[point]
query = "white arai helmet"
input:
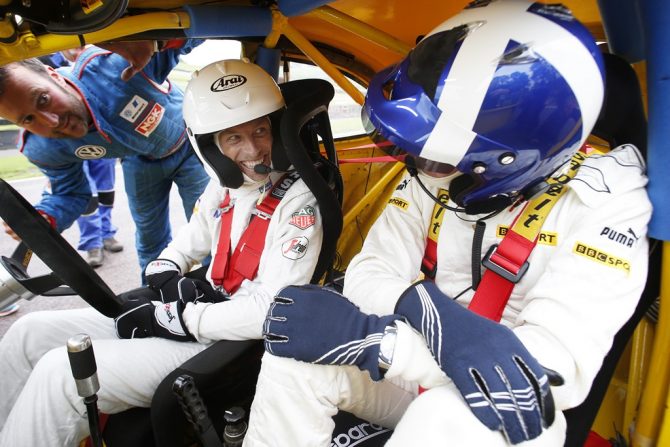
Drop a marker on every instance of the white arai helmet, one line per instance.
(222, 95)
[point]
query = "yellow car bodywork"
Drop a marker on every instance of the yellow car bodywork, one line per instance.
(357, 38)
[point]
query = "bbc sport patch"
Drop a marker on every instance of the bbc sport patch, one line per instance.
(544, 238)
(295, 248)
(399, 203)
(304, 218)
(601, 257)
(90, 152)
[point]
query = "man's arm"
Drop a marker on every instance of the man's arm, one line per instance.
(587, 292)
(289, 257)
(193, 242)
(155, 58)
(67, 195)
(390, 259)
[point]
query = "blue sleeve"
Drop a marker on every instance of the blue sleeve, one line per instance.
(162, 63)
(68, 196)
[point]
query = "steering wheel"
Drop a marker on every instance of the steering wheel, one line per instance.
(67, 265)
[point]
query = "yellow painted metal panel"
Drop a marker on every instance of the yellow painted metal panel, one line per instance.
(652, 407)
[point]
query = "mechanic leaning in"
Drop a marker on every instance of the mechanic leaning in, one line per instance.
(88, 111)
(489, 106)
(231, 132)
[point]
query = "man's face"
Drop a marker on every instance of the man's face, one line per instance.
(44, 105)
(247, 145)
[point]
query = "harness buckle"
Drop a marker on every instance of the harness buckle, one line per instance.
(225, 207)
(261, 214)
(510, 276)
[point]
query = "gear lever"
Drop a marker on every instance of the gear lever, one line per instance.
(85, 372)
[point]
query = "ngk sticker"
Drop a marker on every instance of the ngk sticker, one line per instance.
(151, 122)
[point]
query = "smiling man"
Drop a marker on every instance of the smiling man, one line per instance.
(103, 108)
(248, 145)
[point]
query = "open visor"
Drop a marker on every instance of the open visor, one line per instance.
(395, 151)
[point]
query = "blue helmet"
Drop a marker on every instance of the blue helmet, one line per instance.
(505, 91)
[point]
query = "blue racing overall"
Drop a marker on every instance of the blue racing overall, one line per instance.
(139, 121)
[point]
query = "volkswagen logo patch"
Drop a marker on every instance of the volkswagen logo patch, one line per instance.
(90, 152)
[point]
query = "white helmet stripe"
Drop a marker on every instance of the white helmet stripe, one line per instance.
(552, 47)
(479, 54)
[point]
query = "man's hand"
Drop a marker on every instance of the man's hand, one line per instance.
(141, 318)
(164, 277)
(504, 385)
(11, 233)
(138, 53)
(321, 326)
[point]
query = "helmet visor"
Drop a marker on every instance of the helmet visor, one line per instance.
(430, 167)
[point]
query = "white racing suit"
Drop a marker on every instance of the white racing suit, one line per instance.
(40, 405)
(584, 280)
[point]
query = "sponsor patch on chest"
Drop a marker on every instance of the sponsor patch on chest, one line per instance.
(151, 121)
(544, 238)
(133, 109)
(599, 256)
(627, 239)
(399, 203)
(90, 152)
(304, 218)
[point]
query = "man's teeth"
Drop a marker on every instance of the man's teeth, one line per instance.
(251, 164)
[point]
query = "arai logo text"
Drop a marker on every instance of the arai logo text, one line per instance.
(227, 82)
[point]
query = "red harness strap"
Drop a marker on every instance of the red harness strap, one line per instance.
(220, 261)
(505, 265)
(507, 262)
(229, 270)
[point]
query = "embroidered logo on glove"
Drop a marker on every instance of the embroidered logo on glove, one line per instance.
(167, 317)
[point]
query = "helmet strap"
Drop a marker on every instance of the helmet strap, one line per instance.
(410, 163)
(226, 169)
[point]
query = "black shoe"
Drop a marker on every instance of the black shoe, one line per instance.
(95, 257)
(112, 245)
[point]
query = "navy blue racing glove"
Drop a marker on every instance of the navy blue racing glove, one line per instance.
(164, 277)
(504, 385)
(321, 326)
(141, 318)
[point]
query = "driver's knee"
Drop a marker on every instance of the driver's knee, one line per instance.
(26, 333)
(52, 384)
(441, 415)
